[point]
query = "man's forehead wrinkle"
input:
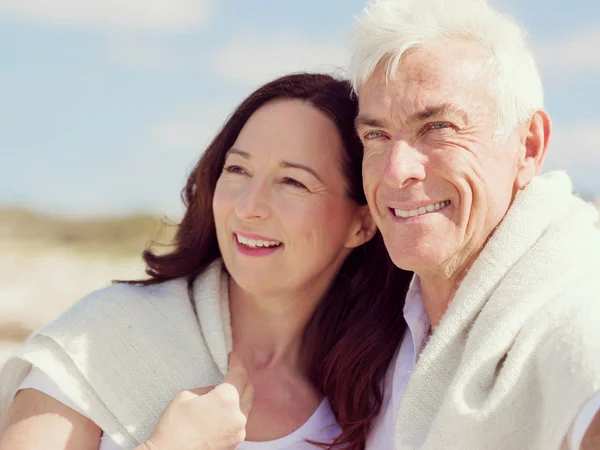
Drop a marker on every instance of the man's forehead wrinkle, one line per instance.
(427, 78)
(436, 63)
(423, 70)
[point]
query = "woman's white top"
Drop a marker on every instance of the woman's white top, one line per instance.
(122, 353)
(320, 427)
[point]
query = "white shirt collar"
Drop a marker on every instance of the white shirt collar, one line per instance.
(416, 316)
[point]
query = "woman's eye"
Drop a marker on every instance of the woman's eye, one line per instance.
(373, 135)
(293, 183)
(235, 169)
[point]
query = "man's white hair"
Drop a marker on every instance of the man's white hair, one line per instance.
(388, 28)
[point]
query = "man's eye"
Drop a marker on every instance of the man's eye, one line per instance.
(373, 135)
(439, 125)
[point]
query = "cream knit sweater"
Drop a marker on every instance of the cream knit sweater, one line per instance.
(122, 353)
(518, 352)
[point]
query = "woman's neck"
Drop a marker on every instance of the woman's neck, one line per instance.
(268, 331)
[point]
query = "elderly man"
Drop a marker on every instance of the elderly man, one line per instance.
(502, 349)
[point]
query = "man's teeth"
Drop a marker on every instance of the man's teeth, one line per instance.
(422, 210)
(256, 243)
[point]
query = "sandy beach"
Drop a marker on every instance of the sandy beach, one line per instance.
(38, 282)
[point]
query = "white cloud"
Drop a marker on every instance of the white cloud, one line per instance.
(566, 56)
(166, 155)
(576, 149)
(252, 59)
(181, 133)
(577, 144)
(190, 128)
(509, 6)
(570, 56)
(142, 14)
(135, 52)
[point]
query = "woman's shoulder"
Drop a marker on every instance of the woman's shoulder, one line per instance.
(133, 314)
(120, 342)
(151, 327)
(174, 291)
(122, 292)
(124, 308)
(122, 298)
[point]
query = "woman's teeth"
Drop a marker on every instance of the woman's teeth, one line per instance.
(254, 243)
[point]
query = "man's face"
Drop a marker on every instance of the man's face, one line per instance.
(436, 182)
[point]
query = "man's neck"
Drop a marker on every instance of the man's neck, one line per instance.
(438, 289)
(437, 297)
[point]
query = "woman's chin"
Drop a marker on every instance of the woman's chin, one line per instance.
(255, 283)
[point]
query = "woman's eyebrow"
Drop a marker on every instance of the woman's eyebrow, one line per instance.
(291, 165)
(282, 164)
(235, 151)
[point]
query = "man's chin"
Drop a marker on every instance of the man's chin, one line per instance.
(412, 263)
(416, 259)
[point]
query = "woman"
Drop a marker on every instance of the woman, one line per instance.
(276, 258)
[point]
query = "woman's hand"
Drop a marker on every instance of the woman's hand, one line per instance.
(207, 418)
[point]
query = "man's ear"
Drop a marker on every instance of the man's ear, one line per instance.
(535, 143)
(363, 229)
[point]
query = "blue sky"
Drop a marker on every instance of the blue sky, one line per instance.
(106, 105)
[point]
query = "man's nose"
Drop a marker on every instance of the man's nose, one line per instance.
(405, 166)
(254, 202)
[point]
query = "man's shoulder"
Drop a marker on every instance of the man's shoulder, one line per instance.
(571, 339)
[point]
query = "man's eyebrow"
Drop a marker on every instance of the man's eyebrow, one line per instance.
(431, 112)
(445, 109)
(282, 164)
(366, 121)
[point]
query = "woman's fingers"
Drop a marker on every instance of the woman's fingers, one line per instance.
(202, 390)
(212, 416)
(247, 398)
(236, 385)
(237, 376)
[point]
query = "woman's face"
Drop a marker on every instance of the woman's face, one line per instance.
(283, 218)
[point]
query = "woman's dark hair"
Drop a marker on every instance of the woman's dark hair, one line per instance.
(357, 327)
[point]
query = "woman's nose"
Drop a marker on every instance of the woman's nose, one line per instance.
(253, 203)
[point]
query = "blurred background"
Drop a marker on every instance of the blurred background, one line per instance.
(106, 105)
